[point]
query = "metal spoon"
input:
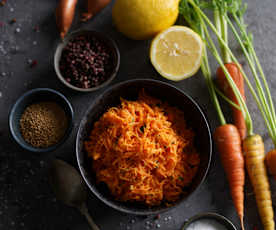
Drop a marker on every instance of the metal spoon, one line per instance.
(70, 188)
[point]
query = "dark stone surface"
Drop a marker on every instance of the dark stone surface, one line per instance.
(26, 201)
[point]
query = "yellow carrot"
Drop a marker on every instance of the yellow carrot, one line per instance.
(253, 147)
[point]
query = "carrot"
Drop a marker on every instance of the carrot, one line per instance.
(270, 160)
(64, 15)
(228, 142)
(232, 68)
(94, 7)
(226, 136)
(231, 148)
(237, 77)
(253, 147)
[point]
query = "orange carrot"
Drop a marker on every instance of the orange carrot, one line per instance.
(236, 75)
(228, 142)
(270, 160)
(94, 7)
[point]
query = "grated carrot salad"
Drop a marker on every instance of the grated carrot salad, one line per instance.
(143, 151)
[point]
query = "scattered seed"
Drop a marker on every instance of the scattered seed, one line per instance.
(36, 29)
(13, 21)
(18, 30)
(11, 9)
(158, 226)
(132, 221)
(33, 63)
(34, 43)
(42, 163)
(14, 49)
(1, 94)
(157, 217)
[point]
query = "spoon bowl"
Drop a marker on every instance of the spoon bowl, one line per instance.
(67, 184)
(69, 188)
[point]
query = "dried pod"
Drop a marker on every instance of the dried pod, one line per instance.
(64, 15)
(94, 7)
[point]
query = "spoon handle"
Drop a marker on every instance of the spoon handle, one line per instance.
(90, 221)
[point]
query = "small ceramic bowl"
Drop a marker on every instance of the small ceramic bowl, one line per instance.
(108, 41)
(35, 96)
(212, 216)
(129, 90)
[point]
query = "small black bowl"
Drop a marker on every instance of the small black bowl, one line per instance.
(213, 216)
(129, 90)
(111, 44)
(36, 96)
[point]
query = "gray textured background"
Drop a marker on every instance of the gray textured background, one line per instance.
(26, 201)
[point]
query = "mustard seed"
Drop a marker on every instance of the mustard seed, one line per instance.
(43, 124)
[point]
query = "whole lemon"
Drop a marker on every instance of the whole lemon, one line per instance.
(142, 19)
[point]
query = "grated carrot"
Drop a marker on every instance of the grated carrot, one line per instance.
(143, 150)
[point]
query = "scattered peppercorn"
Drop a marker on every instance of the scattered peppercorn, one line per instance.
(43, 124)
(33, 63)
(86, 62)
(157, 217)
(36, 28)
(13, 21)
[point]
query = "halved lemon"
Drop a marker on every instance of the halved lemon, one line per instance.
(176, 53)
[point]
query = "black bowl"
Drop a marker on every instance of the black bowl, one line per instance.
(129, 90)
(35, 96)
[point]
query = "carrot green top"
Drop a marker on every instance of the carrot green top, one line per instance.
(192, 11)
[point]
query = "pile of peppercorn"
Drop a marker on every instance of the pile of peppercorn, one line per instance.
(86, 62)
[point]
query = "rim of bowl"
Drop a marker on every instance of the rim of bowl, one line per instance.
(209, 215)
(127, 210)
(28, 146)
(110, 42)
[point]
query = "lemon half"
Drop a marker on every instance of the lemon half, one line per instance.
(176, 53)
